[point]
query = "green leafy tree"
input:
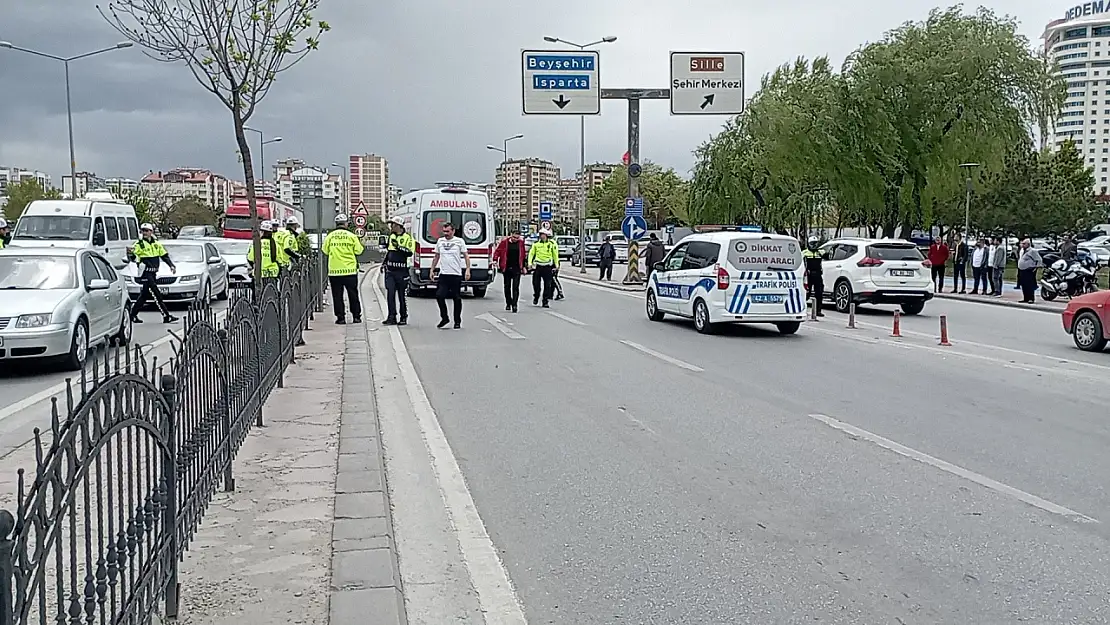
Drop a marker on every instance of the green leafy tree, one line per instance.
(663, 190)
(22, 193)
(235, 49)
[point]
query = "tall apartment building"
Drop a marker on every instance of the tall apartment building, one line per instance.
(393, 198)
(570, 197)
(287, 166)
(309, 182)
(122, 187)
(522, 184)
(368, 184)
(595, 175)
(177, 184)
(86, 181)
(15, 175)
(239, 188)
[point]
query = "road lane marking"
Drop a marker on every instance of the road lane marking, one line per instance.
(665, 358)
(958, 471)
(565, 318)
(640, 424)
(33, 400)
(494, 589)
(500, 325)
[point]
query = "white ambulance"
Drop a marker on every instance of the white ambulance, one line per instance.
(425, 212)
(731, 275)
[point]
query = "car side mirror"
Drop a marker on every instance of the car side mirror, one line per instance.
(659, 266)
(98, 285)
(98, 239)
(214, 260)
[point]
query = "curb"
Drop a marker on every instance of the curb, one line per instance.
(605, 285)
(1000, 302)
(365, 573)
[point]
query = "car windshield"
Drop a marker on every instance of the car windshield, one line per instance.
(889, 251)
(232, 247)
(53, 228)
(185, 253)
(37, 272)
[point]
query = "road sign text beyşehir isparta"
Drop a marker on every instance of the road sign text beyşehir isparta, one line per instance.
(560, 81)
(565, 63)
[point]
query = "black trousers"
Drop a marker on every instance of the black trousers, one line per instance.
(544, 274)
(979, 275)
(149, 291)
(558, 285)
(938, 278)
(348, 284)
(511, 278)
(449, 287)
(959, 274)
(606, 267)
(1027, 280)
(815, 291)
(396, 293)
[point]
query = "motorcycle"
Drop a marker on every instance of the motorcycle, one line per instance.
(1070, 279)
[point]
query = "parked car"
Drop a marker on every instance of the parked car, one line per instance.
(876, 271)
(592, 258)
(567, 244)
(1100, 253)
(234, 252)
(1087, 319)
(58, 302)
(198, 232)
(201, 273)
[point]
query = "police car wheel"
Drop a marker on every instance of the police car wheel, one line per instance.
(701, 318)
(788, 327)
(652, 306)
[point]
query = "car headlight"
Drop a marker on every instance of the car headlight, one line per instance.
(33, 321)
(188, 278)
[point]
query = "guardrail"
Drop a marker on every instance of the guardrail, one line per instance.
(133, 455)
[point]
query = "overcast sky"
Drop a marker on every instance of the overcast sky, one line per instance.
(426, 83)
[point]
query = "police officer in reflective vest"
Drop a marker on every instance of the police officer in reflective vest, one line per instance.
(815, 282)
(342, 247)
(149, 254)
(5, 233)
(270, 251)
(398, 255)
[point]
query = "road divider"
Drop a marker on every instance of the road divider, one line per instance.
(852, 316)
(944, 331)
(896, 332)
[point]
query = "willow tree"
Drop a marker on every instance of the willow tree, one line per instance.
(234, 48)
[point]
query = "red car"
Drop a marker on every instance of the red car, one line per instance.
(1087, 320)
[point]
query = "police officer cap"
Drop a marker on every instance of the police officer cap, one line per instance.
(292, 220)
(3, 223)
(340, 218)
(398, 221)
(545, 231)
(814, 240)
(266, 226)
(147, 228)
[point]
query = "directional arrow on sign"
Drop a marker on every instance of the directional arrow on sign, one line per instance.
(708, 100)
(562, 102)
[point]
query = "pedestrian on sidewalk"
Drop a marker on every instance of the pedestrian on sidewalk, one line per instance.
(938, 256)
(511, 258)
(653, 253)
(450, 266)
(398, 254)
(959, 267)
(979, 260)
(1028, 262)
(543, 258)
(606, 255)
(342, 247)
(149, 254)
(998, 266)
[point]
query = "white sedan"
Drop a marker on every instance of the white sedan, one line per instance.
(201, 274)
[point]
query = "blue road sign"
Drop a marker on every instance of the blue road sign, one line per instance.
(525, 227)
(670, 228)
(634, 227)
(545, 211)
(634, 206)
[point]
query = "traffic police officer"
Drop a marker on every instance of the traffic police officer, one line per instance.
(543, 257)
(149, 253)
(298, 239)
(5, 233)
(270, 251)
(398, 255)
(342, 247)
(815, 282)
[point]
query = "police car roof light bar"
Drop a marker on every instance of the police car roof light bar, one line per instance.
(724, 228)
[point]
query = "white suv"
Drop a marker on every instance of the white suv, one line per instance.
(876, 271)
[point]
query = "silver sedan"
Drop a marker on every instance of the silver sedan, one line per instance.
(201, 273)
(58, 303)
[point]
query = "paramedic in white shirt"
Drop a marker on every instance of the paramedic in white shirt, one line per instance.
(452, 262)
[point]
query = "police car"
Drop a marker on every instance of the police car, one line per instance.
(730, 275)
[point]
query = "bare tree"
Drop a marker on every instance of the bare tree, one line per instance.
(234, 48)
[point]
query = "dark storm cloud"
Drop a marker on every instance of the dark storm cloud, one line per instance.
(426, 83)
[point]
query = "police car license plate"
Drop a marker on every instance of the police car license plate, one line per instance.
(766, 299)
(904, 273)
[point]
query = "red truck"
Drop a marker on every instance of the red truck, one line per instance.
(237, 219)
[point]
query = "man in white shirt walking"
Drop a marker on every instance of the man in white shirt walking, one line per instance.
(452, 264)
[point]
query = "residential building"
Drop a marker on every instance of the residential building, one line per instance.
(287, 166)
(309, 182)
(15, 175)
(596, 174)
(521, 185)
(570, 197)
(176, 184)
(267, 188)
(86, 181)
(368, 184)
(122, 187)
(393, 198)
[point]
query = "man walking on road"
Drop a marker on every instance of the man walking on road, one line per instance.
(998, 266)
(938, 256)
(342, 248)
(959, 267)
(1028, 261)
(606, 255)
(149, 253)
(510, 258)
(450, 266)
(543, 258)
(398, 254)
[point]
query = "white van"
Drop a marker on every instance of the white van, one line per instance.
(730, 276)
(425, 212)
(106, 225)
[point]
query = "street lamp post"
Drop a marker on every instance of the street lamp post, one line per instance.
(967, 167)
(504, 150)
(69, 105)
(581, 152)
(262, 152)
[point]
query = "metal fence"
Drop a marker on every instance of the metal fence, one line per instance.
(133, 455)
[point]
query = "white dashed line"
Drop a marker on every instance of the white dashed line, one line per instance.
(500, 325)
(565, 318)
(665, 358)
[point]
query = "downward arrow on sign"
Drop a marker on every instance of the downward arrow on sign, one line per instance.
(562, 102)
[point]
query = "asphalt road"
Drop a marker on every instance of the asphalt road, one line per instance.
(22, 382)
(638, 472)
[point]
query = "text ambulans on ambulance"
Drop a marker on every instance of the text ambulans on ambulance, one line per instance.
(730, 277)
(424, 214)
